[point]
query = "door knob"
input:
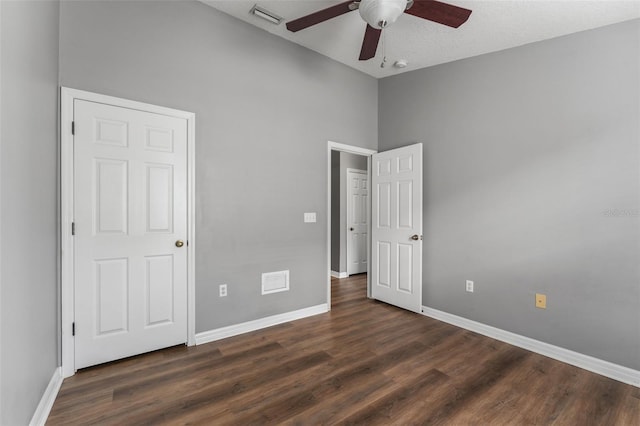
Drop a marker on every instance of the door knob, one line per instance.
(350, 229)
(416, 237)
(179, 243)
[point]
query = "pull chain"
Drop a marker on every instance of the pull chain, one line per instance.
(384, 49)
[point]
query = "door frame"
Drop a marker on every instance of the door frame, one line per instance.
(336, 146)
(67, 308)
(350, 206)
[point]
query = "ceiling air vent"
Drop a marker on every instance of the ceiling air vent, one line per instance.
(263, 13)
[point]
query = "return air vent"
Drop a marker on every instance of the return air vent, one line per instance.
(274, 282)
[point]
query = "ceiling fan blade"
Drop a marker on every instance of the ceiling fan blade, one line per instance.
(442, 13)
(370, 43)
(321, 16)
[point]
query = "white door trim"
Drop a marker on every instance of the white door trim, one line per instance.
(336, 146)
(349, 208)
(67, 98)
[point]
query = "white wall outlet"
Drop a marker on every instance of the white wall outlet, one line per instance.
(470, 286)
(310, 217)
(223, 290)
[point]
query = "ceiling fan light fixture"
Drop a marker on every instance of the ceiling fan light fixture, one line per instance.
(381, 13)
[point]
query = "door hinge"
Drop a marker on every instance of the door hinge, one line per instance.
(73, 127)
(73, 328)
(73, 228)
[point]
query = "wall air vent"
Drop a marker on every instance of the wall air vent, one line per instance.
(274, 282)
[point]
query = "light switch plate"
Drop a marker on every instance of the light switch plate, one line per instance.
(310, 217)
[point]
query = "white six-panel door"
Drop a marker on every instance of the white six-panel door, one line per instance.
(357, 226)
(130, 176)
(396, 231)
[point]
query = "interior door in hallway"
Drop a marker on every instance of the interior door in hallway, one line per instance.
(396, 231)
(130, 214)
(357, 225)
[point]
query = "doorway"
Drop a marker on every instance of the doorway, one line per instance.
(394, 215)
(342, 157)
(127, 228)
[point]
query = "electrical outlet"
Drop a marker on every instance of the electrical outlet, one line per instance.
(470, 286)
(541, 301)
(223, 290)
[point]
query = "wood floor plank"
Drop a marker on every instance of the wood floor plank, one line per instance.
(238, 361)
(393, 406)
(597, 402)
(346, 402)
(257, 400)
(364, 362)
(628, 411)
(456, 397)
(321, 388)
(171, 409)
(511, 402)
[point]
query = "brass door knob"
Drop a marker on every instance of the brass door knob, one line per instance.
(179, 243)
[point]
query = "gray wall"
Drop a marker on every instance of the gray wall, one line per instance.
(28, 200)
(265, 110)
(528, 154)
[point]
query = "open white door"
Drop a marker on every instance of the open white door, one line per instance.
(396, 229)
(357, 226)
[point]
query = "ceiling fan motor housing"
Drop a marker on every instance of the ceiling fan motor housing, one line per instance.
(381, 13)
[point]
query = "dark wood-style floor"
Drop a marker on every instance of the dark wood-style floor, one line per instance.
(365, 362)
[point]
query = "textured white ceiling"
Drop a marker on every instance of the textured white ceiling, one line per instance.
(494, 25)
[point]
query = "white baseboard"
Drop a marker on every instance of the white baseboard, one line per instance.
(48, 398)
(245, 327)
(335, 274)
(595, 365)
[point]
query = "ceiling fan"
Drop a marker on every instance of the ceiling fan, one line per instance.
(379, 14)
